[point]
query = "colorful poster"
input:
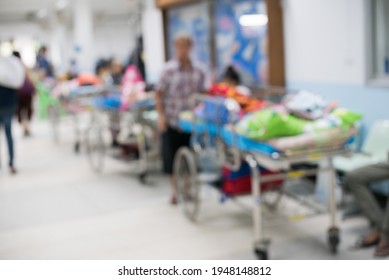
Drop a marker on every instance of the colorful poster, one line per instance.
(241, 39)
(192, 20)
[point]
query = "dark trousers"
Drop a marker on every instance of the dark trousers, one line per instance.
(172, 141)
(6, 124)
(25, 108)
(358, 182)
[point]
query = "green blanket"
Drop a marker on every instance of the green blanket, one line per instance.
(270, 123)
(45, 100)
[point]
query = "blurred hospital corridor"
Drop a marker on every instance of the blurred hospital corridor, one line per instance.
(194, 130)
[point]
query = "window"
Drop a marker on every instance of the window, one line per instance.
(380, 41)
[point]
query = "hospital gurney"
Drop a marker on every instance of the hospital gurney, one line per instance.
(232, 150)
(75, 107)
(136, 127)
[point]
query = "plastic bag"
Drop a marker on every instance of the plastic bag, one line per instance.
(219, 111)
(12, 72)
(307, 105)
(111, 102)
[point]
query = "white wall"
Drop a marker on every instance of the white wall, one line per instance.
(24, 35)
(326, 52)
(324, 41)
(110, 40)
(114, 40)
(153, 41)
(22, 29)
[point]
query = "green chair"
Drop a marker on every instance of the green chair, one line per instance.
(45, 100)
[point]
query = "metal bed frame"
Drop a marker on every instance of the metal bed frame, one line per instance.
(72, 106)
(188, 179)
(143, 134)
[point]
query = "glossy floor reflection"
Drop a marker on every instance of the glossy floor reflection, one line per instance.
(57, 208)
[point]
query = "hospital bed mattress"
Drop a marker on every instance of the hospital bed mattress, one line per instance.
(330, 139)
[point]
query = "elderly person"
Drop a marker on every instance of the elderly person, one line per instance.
(181, 78)
(359, 182)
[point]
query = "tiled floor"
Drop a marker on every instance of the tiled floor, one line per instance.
(57, 208)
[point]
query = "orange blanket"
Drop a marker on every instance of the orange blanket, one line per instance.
(247, 103)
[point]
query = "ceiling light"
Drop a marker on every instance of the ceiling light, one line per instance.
(253, 20)
(42, 13)
(62, 4)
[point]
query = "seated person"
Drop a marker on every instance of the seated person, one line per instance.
(232, 78)
(230, 87)
(117, 71)
(103, 72)
(358, 182)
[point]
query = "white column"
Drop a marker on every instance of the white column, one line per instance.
(83, 34)
(154, 48)
(387, 35)
(57, 44)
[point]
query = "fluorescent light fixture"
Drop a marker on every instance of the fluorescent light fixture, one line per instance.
(253, 20)
(42, 13)
(62, 4)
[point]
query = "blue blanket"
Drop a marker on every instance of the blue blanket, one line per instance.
(243, 143)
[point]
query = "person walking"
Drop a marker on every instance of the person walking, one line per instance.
(181, 78)
(25, 97)
(12, 75)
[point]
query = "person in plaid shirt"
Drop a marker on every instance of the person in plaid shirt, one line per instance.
(180, 79)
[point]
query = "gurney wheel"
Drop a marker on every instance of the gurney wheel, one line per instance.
(142, 177)
(333, 239)
(187, 184)
(262, 254)
(95, 145)
(77, 146)
(142, 152)
(54, 118)
(272, 197)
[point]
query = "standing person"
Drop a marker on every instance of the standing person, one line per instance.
(137, 57)
(12, 75)
(358, 181)
(43, 63)
(25, 97)
(180, 79)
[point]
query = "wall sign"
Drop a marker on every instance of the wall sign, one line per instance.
(241, 38)
(191, 20)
